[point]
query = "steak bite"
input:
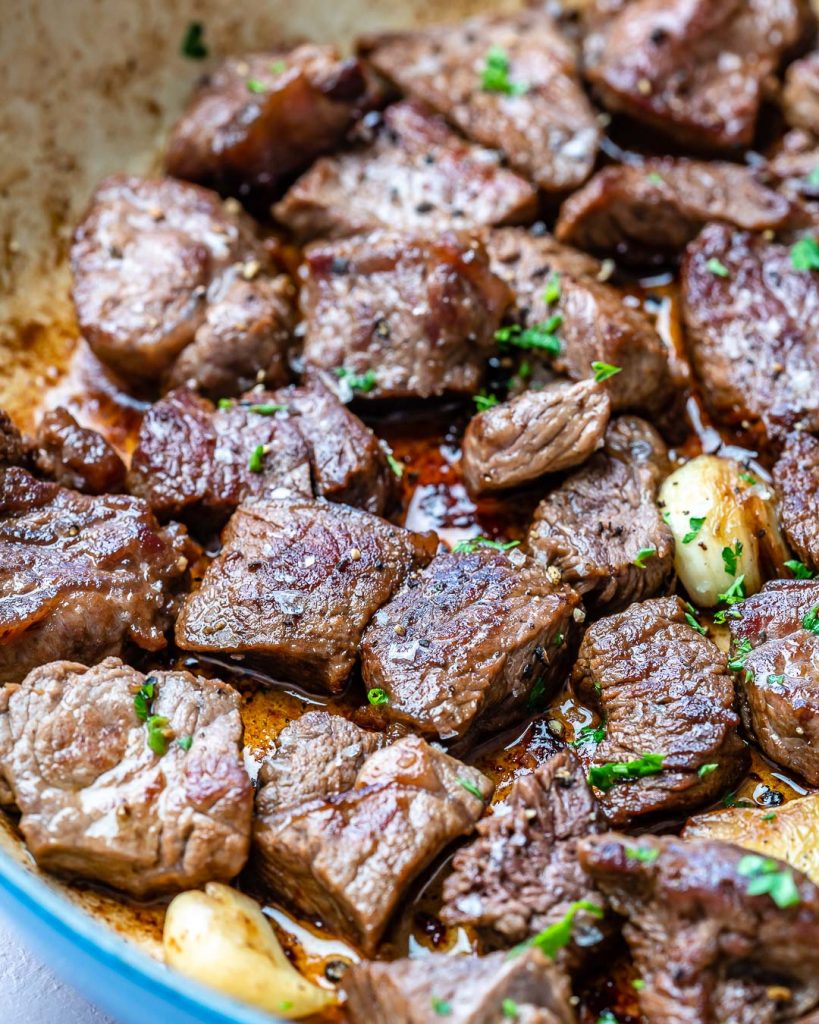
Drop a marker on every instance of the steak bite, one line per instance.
(776, 655)
(75, 456)
(81, 577)
(534, 433)
(796, 476)
(593, 323)
(408, 172)
(602, 529)
(521, 874)
(133, 781)
(490, 989)
(295, 584)
(197, 462)
(752, 323)
(717, 934)
(695, 70)
(666, 701)
(14, 448)
(159, 265)
(401, 316)
(800, 96)
(634, 211)
(507, 81)
(344, 822)
(259, 118)
(469, 644)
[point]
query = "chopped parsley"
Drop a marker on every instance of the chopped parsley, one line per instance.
(767, 877)
(589, 734)
(157, 737)
(730, 800)
(143, 698)
(193, 44)
(396, 466)
(643, 556)
(692, 620)
(441, 1007)
(254, 85)
(226, 403)
(706, 769)
(811, 620)
(470, 787)
(604, 776)
(495, 74)
(734, 594)
(377, 696)
(695, 524)
(645, 854)
(638, 984)
(655, 178)
(540, 337)
(357, 381)
(799, 569)
(256, 461)
(717, 267)
(509, 1008)
(607, 1017)
(805, 254)
(749, 478)
(602, 371)
(770, 816)
(741, 652)
(470, 546)
(730, 557)
(775, 680)
(278, 67)
(185, 742)
(483, 401)
(266, 408)
(559, 934)
(552, 291)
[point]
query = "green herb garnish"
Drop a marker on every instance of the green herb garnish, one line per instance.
(604, 776)
(441, 1007)
(193, 44)
(509, 1009)
(470, 546)
(692, 620)
(396, 466)
(643, 556)
(770, 816)
(655, 178)
(749, 478)
(357, 381)
(811, 620)
(185, 742)
(638, 984)
(695, 524)
(157, 740)
(256, 461)
(495, 74)
(483, 401)
(589, 734)
(540, 337)
(226, 403)
(799, 569)
(559, 934)
(741, 652)
(278, 67)
(805, 254)
(470, 787)
(552, 292)
(254, 85)
(645, 854)
(377, 696)
(706, 769)
(143, 698)
(730, 557)
(775, 680)
(602, 371)
(768, 877)
(717, 267)
(266, 408)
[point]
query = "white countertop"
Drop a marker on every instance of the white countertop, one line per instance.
(31, 994)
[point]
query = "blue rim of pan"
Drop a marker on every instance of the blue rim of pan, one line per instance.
(79, 929)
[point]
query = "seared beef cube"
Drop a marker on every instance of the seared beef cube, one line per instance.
(80, 577)
(400, 316)
(636, 211)
(776, 655)
(800, 97)
(594, 324)
(692, 69)
(193, 461)
(602, 529)
(752, 323)
(159, 265)
(14, 449)
(348, 463)
(666, 700)
(709, 941)
(493, 989)
(793, 162)
(469, 644)
(295, 584)
(796, 475)
(76, 456)
(409, 172)
(508, 82)
(534, 433)
(261, 117)
(131, 780)
(343, 828)
(243, 339)
(521, 874)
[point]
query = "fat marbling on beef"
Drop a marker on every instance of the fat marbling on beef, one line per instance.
(81, 576)
(409, 172)
(796, 475)
(401, 316)
(469, 644)
(506, 81)
(345, 820)
(259, 118)
(776, 654)
(494, 989)
(295, 584)
(521, 874)
(696, 70)
(666, 705)
(710, 940)
(636, 211)
(752, 326)
(601, 529)
(534, 433)
(132, 780)
(160, 265)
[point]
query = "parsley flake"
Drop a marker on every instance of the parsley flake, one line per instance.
(706, 769)
(470, 787)
(775, 680)
(441, 1007)
(226, 403)
(552, 292)
(540, 337)
(602, 371)
(143, 698)
(805, 254)
(741, 652)
(589, 734)
(193, 44)
(767, 877)
(607, 1017)
(749, 478)
(278, 67)
(509, 1008)
(638, 984)
(396, 466)
(735, 593)
(470, 546)
(717, 267)
(692, 620)
(799, 569)
(770, 816)
(377, 696)
(695, 524)
(254, 85)
(185, 742)
(643, 556)
(655, 178)
(811, 620)
(357, 381)
(157, 738)
(495, 74)
(266, 408)
(483, 401)
(256, 461)
(559, 934)
(645, 854)
(604, 776)
(730, 557)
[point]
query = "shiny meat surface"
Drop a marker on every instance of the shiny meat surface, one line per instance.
(800, 96)
(796, 475)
